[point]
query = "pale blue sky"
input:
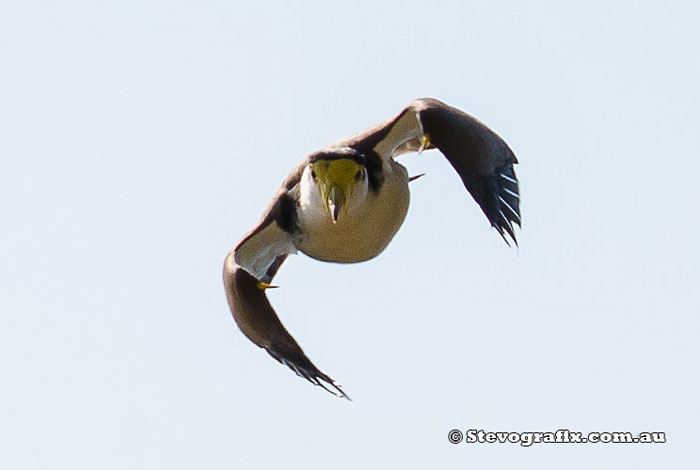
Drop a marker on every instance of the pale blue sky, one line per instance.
(140, 140)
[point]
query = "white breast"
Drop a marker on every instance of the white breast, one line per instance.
(364, 231)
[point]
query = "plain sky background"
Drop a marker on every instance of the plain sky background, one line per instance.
(140, 140)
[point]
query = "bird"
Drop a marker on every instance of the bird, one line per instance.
(344, 204)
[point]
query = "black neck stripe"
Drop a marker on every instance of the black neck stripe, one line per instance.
(341, 153)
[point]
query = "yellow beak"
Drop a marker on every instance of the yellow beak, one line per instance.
(336, 181)
(335, 202)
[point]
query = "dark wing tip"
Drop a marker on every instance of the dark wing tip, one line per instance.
(481, 158)
(304, 368)
(504, 210)
(259, 322)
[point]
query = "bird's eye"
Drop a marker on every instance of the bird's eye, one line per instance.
(359, 174)
(313, 174)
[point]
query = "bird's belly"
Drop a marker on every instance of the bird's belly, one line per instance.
(360, 234)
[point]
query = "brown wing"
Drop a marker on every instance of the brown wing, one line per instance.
(248, 270)
(481, 158)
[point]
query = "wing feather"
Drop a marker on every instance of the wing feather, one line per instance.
(248, 269)
(482, 159)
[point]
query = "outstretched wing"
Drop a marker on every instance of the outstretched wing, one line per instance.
(248, 269)
(481, 158)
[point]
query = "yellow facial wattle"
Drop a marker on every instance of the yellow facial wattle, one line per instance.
(336, 181)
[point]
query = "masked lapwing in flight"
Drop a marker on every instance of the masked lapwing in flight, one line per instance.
(345, 203)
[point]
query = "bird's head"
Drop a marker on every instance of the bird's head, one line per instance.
(341, 183)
